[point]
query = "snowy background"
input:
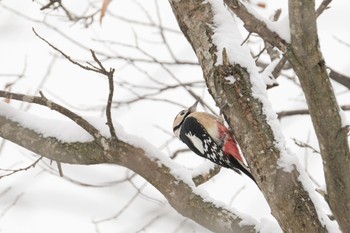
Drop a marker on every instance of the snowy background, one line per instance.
(105, 198)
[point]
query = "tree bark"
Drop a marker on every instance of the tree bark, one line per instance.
(289, 201)
(324, 110)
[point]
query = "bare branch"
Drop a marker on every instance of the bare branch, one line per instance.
(323, 6)
(13, 171)
(340, 78)
(100, 70)
(110, 75)
(66, 56)
(252, 24)
(305, 145)
(304, 111)
(109, 105)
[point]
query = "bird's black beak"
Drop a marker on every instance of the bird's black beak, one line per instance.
(194, 106)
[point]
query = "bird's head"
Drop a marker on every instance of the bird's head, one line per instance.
(181, 116)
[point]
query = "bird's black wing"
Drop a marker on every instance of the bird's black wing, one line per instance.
(206, 147)
(199, 141)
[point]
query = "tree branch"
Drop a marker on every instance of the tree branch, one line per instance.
(252, 24)
(13, 171)
(304, 112)
(340, 78)
(323, 6)
(102, 70)
(110, 75)
(179, 194)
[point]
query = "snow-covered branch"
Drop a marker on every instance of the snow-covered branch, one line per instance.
(42, 100)
(172, 180)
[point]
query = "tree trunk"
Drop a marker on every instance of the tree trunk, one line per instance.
(289, 201)
(310, 67)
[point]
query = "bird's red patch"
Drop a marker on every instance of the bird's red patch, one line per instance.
(229, 143)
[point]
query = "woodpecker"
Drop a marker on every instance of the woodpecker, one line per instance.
(208, 137)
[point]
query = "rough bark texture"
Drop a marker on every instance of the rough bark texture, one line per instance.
(179, 194)
(324, 110)
(289, 202)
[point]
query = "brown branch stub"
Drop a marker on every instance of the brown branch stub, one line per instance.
(340, 78)
(202, 178)
(323, 6)
(49, 4)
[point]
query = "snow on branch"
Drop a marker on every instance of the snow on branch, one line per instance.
(171, 179)
(42, 100)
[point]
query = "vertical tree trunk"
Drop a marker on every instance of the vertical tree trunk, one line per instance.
(289, 202)
(310, 67)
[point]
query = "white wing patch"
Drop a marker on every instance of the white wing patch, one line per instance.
(196, 142)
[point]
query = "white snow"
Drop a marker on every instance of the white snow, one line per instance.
(62, 130)
(267, 73)
(230, 80)
(344, 120)
(204, 168)
(281, 27)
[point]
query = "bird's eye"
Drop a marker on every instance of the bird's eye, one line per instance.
(182, 113)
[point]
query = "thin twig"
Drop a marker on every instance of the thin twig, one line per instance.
(121, 211)
(109, 105)
(110, 75)
(67, 56)
(11, 172)
(246, 39)
(3, 213)
(100, 70)
(49, 4)
(304, 112)
(305, 145)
